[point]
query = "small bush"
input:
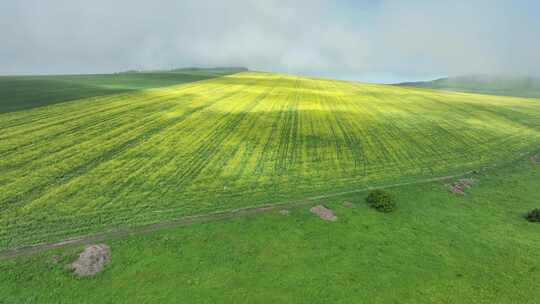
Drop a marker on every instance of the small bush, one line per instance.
(381, 200)
(534, 216)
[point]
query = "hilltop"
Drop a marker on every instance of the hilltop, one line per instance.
(240, 158)
(241, 140)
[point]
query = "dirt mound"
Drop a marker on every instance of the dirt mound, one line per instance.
(92, 260)
(324, 213)
(535, 158)
(460, 186)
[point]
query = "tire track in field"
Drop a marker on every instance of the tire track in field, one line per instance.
(355, 146)
(93, 103)
(114, 118)
(69, 155)
(465, 113)
(152, 105)
(215, 99)
(62, 175)
(78, 117)
(252, 139)
(170, 158)
(127, 104)
(287, 145)
(255, 209)
(200, 158)
(265, 154)
(217, 135)
(37, 191)
(483, 141)
(368, 140)
(396, 130)
(389, 130)
(356, 89)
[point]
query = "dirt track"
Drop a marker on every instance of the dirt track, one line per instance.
(184, 221)
(222, 215)
(196, 219)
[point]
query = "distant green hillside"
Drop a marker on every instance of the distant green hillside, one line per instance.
(496, 85)
(26, 92)
(237, 141)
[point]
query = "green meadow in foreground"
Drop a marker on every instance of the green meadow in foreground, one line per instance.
(241, 140)
(436, 247)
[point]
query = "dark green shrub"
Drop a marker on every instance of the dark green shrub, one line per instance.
(534, 216)
(381, 200)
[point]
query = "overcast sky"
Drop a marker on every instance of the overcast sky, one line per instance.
(378, 40)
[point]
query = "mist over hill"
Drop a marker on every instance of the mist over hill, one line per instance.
(521, 86)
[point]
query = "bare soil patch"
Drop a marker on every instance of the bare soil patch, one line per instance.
(92, 260)
(324, 213)
(535, 158)
(461, 185)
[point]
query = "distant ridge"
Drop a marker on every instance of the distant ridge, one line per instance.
(31, 91)
(520, 86)
(218, 70)
(236, 69)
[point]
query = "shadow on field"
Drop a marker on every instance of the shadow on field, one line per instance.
(26, 92)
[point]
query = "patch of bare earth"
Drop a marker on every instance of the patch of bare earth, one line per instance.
(535, 158)
(324, 213)
(460, 186)
(92, 260)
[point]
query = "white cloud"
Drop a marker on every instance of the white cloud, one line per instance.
(348, 39)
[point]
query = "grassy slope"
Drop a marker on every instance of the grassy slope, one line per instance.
(236, 141)
(507, 86)
(26, 92)
(436, 248)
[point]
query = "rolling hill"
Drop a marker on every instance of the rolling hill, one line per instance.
(251, 138)
(483, 84)
(26, 92)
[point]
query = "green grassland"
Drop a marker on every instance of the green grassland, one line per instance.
(25, 92)
(246, 139)
(435, 248)
(520, 86)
